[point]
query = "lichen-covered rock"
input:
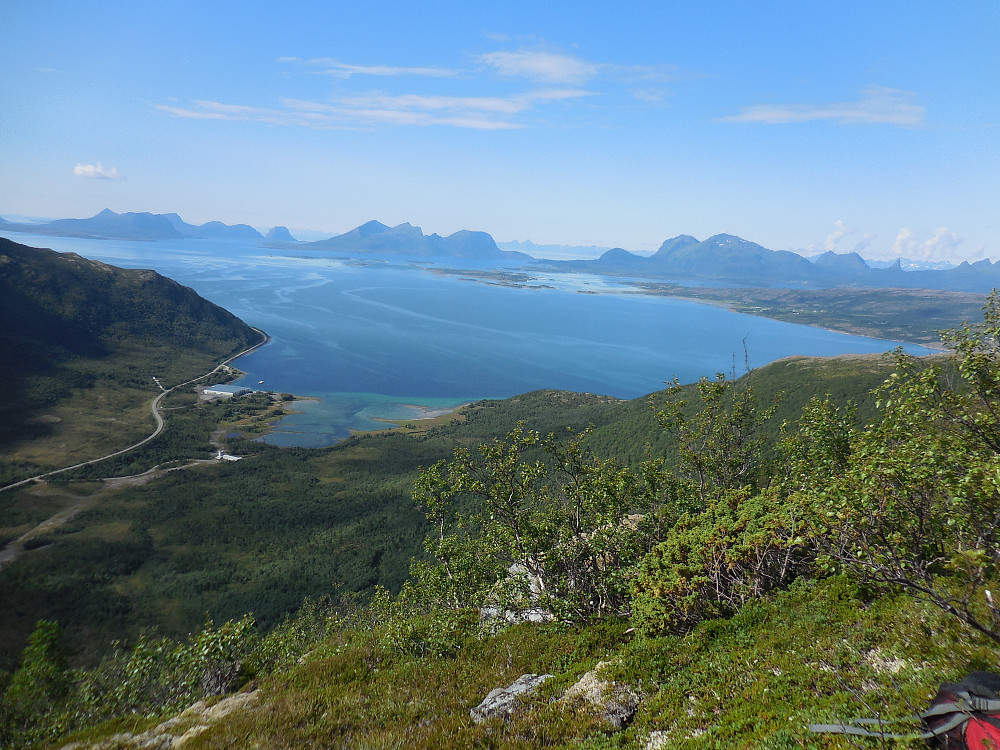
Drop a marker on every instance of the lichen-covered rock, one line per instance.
(176, 731)
(614, 702)
(502, 701)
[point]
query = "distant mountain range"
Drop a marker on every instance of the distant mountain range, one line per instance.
(555, 252)
(726, 260)
(373, 238)
(722, 260)
(145, 226)
(405, 239)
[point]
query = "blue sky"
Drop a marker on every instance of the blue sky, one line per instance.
(805, 126)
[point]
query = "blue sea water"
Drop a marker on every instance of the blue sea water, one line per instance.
(381, 340)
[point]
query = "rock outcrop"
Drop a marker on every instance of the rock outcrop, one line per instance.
(502, 701)
(614, 702)
(176, 731)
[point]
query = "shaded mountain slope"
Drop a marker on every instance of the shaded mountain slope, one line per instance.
(59, 309)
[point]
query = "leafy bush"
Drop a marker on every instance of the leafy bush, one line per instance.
(739, 548)
(561, 530)
(918, 504)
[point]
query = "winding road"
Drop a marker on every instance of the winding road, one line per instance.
(154, 407)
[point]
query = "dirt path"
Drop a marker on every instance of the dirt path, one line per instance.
(16, 548)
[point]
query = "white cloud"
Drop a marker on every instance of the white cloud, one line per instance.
(865, 242)
(905, 243)
(942, 245)
(650, 96)
(878, 105)
(551, 78)
(365, 110)
(97, 171)
(501, 104)
(543, 67)
(835, 236)
(340, 69)
(332, 116)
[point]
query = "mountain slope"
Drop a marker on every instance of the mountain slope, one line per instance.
(67, 322)
(261, 535)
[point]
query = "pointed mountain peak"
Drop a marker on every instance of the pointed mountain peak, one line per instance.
(406, 228)
(371, 227)
(279, 234)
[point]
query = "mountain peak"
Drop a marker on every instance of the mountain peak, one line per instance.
(674, 244)
(279, 234)
(372, 227)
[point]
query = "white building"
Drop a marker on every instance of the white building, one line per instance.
(227, 391)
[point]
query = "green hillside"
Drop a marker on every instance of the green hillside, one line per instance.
(261, 535)
(82, 341)
(736, 558)
(779, 577)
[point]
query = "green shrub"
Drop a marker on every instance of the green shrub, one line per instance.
(739, 548)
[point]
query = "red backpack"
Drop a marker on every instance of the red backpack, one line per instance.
(963, 716)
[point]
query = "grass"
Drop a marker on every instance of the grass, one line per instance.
(88, 424)
(821, 651)
(912, 315)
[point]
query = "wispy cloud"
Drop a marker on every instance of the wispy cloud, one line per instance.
(837, 234)
(209, 110)
(878, 105)
(363, 110)
(548, 78)
(865, 242)
(338, 69)
(541, 67)
(500, 104)
(650, 96)
(97, 172)
(405, 110)
(942, 244)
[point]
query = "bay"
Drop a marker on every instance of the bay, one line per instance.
(394, 341)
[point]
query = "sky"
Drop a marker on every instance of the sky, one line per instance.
(848, 126)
